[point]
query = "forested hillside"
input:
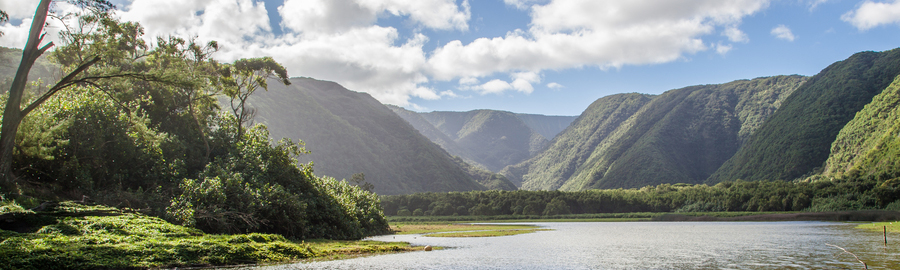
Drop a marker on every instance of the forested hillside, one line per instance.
(547, 125)
(551, 168)
(869, 145)
(349, 133)
(489, 138)
(681, 136)
(797, 139)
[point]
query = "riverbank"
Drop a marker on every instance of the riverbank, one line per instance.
(69, 235)
(443, 229)
(862, 215)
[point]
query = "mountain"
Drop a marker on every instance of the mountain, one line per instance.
(9, 64)
(869, 145)
(570, 149)
(797, 139)
(349, 132)
(633, 140)
(547, 125)
(488, 138)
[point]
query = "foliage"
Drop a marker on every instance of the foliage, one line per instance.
(117, 239)
(156, 140)
(737, 196)
(796, 140)
(680, 136)
(869, 145)
(569, 150)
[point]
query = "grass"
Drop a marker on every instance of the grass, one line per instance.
(891, 226)
(598, 217)
(74, 236)
(438, 229)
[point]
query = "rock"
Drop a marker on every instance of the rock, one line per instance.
(428, 248)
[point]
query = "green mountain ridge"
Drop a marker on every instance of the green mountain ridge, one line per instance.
(869, 145)
(573, 146)
(349, 132)
(487, 138)
(797, 139)
(633, 140)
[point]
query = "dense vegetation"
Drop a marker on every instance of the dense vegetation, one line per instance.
(569, 150)
(869, 145)
(72, 236)
(681, 136)
(349, 133)
(737, 196)
(797, 139)
(151, 136)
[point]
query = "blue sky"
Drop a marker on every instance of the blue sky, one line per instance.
(530, 56)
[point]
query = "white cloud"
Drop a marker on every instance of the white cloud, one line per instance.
(331, 16)
(495, 86)
(783, 32)
(468, 81)
(723, 48)
(336, 40)
(524, 4)
(872, 14)
(339, 40)
(555, 86)
(577, 33)
(815, 3)
(15, 35)
(735, 35)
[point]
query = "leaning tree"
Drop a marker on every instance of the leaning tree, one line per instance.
(14, 113)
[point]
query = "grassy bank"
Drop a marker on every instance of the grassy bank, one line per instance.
(73, 236)
(602, 217)
(443, 229)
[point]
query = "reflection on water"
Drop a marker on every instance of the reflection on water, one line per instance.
(644, 245)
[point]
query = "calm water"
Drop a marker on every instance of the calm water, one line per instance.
(644, 245)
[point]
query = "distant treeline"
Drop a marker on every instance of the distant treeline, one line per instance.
(857, 194)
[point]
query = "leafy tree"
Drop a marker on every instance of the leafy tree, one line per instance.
(243, 78)
(14, 113)
(3, 18)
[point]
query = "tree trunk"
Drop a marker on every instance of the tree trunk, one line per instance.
(12, 115)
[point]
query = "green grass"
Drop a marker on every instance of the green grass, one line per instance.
(601, 217)
(489, 233)
(74, 236)
(891, 226)
(441, 229)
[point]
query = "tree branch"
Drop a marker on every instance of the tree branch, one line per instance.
(63, 83)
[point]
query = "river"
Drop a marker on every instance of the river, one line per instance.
(644, 245)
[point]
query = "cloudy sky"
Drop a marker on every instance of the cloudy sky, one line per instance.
(531, 56)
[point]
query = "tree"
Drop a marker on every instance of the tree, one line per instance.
(3, 18)
(14, 113)
(241, 79)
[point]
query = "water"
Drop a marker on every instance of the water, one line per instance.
(644, 245)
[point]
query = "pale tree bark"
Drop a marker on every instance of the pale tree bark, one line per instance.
(13, 113)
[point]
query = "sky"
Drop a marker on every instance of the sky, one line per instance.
(552, 57)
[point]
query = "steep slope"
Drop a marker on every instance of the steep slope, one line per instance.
(798, 137)
(571, 148)
(426, 128)
(481, 175)
(547, 125)
(42, 69)
(681, 136)
(869, 145)
(349, 132)
(493, 139)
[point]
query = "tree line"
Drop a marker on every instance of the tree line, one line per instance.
(729, 196)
